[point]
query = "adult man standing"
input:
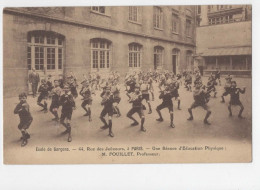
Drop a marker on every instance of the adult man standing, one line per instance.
(34, 79)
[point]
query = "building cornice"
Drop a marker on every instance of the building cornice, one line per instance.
(90, 25)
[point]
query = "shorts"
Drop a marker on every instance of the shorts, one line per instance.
(138, 110)
(105, 111)
(146, 97)
(235, 103)
(42, 97)
(117, 99)
(175, 94)
(86, 102)
(196, 104)
(165, 105)
(53, 105)
(65, 115)
(25, 124)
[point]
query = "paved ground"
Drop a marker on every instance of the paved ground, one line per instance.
(223, 129)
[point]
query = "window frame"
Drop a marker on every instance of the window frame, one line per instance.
(157, 18)
(101, 54)
(135, 51)
(39, 43)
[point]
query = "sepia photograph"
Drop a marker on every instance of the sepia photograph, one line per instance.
(127, 84)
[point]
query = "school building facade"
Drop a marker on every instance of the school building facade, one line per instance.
(58, 40)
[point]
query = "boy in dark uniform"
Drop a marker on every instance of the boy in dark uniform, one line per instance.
(107, 102)
(144, 87)
(211, 87)
(115, 89)
(166, 97)
(188, 82)
(55, 93)
(44, 91)
(68, 104)
(174, 89)
(137, 107)
(226, 88)
(201, 99)
(23, 109)
(234, 98)
(217, 76)
(130, 86)
(86, 93)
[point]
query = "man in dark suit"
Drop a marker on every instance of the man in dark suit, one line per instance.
(34, 79)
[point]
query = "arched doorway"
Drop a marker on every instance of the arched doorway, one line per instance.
(158, 57)
(175, 60)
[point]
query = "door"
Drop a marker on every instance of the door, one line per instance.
(174, 63)
(155, 62)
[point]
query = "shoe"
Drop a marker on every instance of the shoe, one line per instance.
(86, 114)
(42, 109)
(90, 119)
(240, 117)
(28, 136)
(69, 139)
(190, 119)
(45, 111)
(206, 122)
(135, 123)
(172, 125)
(222, 101)
(111, 134)
(104, 127)
(55, 119)
(118, 115)
(179, 108)
(159, 119)
(230, 115)
(150, 112)
(143, 129)
(24, 143)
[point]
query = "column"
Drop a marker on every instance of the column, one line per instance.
(216, 62)
(246, 63)
(230, 61)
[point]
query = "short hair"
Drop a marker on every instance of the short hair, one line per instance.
(234, 82)
(56, 80)
(23, 94)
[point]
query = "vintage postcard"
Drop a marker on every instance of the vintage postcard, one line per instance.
(127, 84)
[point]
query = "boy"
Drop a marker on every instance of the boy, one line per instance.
(87, 99)
(44, 91)
(166, 97)
(68, 104)
(115, 89)
(145, 94)
(137, 107)
(26, 119)
(234, 98)
(226, 88)
(107, 102)
(55, 93)
(200, 97)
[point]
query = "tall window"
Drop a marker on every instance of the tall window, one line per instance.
(99, 9)
(188, 27)
(158, 56)
(135, 55)
(134, 14)
(100, 53)
(157, 18)
(44, 50)
(175, 23)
